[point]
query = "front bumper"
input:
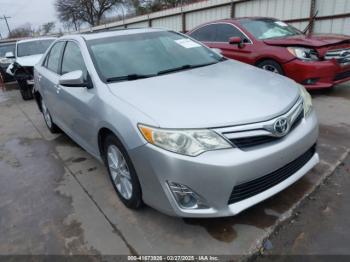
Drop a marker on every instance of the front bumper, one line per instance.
(325, 73)
(214, 174)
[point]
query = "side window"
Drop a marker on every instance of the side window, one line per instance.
(206, 33)
(73, 59)
(225, 31)
(52, 61)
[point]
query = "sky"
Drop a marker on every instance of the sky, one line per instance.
(36, 12)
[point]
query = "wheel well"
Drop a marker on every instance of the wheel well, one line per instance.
(271, 59)
(264, 59)
(102, 134)
(38, 98)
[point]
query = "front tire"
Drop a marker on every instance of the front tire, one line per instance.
(122, 173)
(48, 119)
(271, 66)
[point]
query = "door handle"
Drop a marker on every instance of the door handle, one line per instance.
(58, 89)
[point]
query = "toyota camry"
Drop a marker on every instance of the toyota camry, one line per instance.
(179, 127)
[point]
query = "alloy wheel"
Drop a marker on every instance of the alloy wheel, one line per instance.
(270, 68)
(119, 171)
(46, 114)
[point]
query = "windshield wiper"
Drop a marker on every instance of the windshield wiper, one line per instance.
(139, 76)
(127, 78)
(184, 67)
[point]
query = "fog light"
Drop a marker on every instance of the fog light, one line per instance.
(186, 197)
(310, 81)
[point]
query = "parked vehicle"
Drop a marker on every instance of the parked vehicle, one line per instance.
(178, 126)
(27, 54)
(5, 62)
(316, 61)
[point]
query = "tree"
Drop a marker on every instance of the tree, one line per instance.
(48, 27)
(142, 7)
(89, 11)
(25, 30)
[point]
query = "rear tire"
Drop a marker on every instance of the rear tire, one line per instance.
(271, 66)
(122, 173)
(48, 119)
(26, 91)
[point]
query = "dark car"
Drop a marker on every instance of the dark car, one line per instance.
(316, 61)
(5, 62)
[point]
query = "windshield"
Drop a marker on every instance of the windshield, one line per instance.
(7, 48)
(33, 47)
(269, 28)
(130, 57)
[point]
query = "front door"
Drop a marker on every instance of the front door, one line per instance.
(76, 105)
(48, 76)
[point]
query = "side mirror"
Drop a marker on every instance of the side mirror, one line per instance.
(236, 41)
(72, 79)
(9, 55)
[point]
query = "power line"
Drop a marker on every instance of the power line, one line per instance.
(5, 18)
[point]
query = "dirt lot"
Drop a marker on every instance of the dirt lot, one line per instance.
(57, 199)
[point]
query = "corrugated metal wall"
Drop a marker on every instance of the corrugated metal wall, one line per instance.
(296, 12)
(196, 18)
(333, 7)
(173, 22)
(282, 9)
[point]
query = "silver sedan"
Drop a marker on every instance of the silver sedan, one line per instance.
(178, 126)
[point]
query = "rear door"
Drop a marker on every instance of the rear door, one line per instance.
(48, 76)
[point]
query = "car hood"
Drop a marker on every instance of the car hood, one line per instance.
(315, 41)
(4, 60)
(224, 94)
(28, 60)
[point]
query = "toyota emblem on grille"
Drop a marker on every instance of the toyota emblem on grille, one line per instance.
(281, 127)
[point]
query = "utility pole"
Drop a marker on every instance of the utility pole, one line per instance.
(5, 18)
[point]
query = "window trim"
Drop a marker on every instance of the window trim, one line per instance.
(224, 23)
(64, 50)
(45, 61)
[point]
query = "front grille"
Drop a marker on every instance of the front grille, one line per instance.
(342, 76)
(341, 55)
(256, 186)
(247, 142)
(297, 120)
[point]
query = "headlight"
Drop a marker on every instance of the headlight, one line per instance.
(306, 54)
(185, 142)
(307, 100)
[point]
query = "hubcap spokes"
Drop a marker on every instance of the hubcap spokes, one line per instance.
(46, 114)
(119, 171)
(270, 68)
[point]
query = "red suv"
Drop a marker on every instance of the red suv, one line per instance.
(316, 61)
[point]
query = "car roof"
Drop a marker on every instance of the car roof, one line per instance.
(36, 39)
(111, 33)
(233, 20)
